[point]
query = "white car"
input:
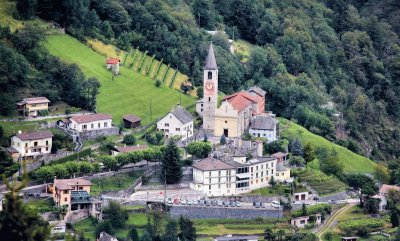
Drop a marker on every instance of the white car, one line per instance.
(189, 202)
(170, 201)
(183, 201)
(275, 204)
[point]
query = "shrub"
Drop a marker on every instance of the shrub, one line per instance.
(158, 83)
(129, 140)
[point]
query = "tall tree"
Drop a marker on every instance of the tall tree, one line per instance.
(171, 171)
(133, 234)
(188, 231)
(171, 231)
(19, 222)
(297, 148)
(309, 152)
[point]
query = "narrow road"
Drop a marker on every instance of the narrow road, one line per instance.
(331, 220)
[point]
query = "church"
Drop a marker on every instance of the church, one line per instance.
(236, 111)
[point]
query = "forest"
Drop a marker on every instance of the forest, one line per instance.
(333, 66)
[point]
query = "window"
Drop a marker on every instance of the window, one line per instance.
(201, 110)
(209, 173)
(80, 188)
(209, 187)
(302, 221)
(209, 75)
(47, 143)
(65, 191)
(92, 126)
(105, 124)
(226, 122)
(201, 105)
(66, 199)
(47, 149)
(219, 186)
(177, 129)
(219, 173)
(98, 125)
(219, 179)
(84, 127)
(35, 143)
(209, 99)
(166, 124)
(277, 174)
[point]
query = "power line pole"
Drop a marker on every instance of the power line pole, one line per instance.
(151, 113)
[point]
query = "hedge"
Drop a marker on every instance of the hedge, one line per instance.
(73, 157)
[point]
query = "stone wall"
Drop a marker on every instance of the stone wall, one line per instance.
(218, 212)
(90, 135)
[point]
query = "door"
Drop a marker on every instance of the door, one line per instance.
(226, 133)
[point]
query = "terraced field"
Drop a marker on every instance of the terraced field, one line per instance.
(321, 182)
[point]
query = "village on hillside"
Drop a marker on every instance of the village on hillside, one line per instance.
(223, 157)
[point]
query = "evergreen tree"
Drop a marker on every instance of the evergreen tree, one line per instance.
(18, 222)
(188, 231)
(272, 182)
(394, 218)
(222, 141)
(397, 235)
(297, 148)
(304, 210)
(309, 153)
(171, 232)
(26, 8)
(133, 234)
(171, 169)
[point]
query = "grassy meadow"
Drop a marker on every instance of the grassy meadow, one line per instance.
(352, 162)
(129, 93)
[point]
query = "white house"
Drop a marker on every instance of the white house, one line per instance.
(265, 126)
(106, 237)
(226, 178)
(301, 222)
(113, 65)
(214, 177)
(90, 122)
(32, 144)
(58, 226)
(178, 122)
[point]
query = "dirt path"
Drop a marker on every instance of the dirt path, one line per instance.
(331, 221)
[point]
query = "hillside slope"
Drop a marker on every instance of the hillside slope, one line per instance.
(352, 162)
(130, 92)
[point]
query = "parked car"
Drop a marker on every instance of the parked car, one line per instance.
(257, 205)
(208, 203)
(214, 203)
(226, 204)
(170, 201)
(232, 204)
(177, 201)
(275, 204)
(220, 203)
(190, 202)
(262, 205)
(183, 202)
(238, 204)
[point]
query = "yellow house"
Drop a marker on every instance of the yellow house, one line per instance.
(74, 194)
(282, 173)
(31, 107)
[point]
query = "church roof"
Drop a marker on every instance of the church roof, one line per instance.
(241, 100)
(210, 63)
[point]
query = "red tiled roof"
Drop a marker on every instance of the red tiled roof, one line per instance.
(112, 61)
(279, 154)
(131, 118)
(385, 188)
(91, 118)
(35, 135)
(241, 100)
(11, 150)
(123, 149)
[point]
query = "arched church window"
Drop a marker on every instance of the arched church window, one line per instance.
(209, 99)
(209, 75)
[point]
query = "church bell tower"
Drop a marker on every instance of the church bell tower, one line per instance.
(210, 87)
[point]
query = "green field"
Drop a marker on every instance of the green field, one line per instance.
(130, 92)
(115, 183)
(352, 162)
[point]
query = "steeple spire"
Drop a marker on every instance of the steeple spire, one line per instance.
(211, 63)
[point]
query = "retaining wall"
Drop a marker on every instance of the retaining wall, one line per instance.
(218, 212)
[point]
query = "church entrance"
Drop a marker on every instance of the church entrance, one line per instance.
(226, 133)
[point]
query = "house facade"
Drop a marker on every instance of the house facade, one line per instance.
(301, 222)
(265, 126)
(31, 107)
(75, 195)
(90, 122)
(228, 178)
(32, 144)
(178, 122)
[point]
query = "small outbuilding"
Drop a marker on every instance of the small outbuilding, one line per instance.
(131, 121)
(349, 238)
(113, 65)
